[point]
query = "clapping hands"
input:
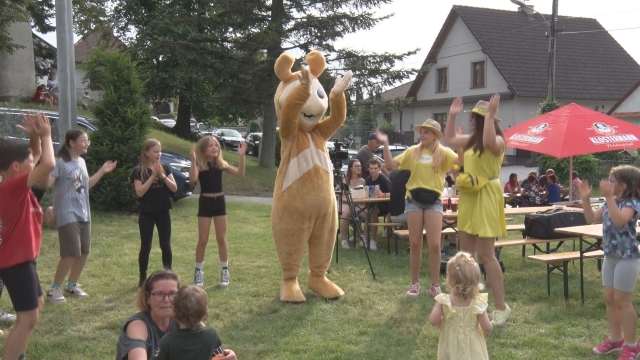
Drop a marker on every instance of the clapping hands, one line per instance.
(35, 124)
(585, 189)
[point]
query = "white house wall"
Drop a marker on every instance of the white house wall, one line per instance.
(459, 50)
(631, 103)
(81, 87)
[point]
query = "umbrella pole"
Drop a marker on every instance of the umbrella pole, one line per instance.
(570, 177)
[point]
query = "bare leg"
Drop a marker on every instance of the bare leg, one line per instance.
(614, 316)
(487, 256)
(76, 268)
(433, 229)
(17, 341)
(414, 223)
(628, 314)
(220, 223)
(64, 265)
(204, 226)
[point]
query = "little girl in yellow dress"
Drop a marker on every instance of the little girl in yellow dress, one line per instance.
(462, 315)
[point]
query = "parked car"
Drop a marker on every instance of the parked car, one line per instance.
(253, 143)
(178, 164)
(168, 122)
(205, 129)
(395, 150)
(228, 138)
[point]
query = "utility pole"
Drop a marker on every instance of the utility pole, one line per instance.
(66, 74)
(551, 91)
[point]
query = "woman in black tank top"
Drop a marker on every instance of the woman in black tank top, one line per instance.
(207, 165)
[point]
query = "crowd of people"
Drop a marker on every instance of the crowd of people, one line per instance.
(165, 308)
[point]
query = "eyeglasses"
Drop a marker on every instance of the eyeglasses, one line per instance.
(87, 142)
(613, 181)
(357, 166)
(159, 296)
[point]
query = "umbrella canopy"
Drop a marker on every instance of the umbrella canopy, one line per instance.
(573, 130)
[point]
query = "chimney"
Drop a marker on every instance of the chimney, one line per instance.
(528, 10)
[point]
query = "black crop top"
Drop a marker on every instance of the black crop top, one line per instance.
(210, 180)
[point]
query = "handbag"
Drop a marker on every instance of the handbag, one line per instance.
(357, 192)
(424, 196)
(470, 183)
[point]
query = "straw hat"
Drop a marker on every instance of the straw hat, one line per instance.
(431, 125)
(481, 109)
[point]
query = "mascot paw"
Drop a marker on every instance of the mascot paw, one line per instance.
(324, 287)
(305, 77)
(290, 291)
(342, 82)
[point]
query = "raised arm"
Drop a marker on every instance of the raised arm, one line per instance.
(338, 107)
(238, 171)
(589, 215)
(30, 128)
(619, 217)
(47, 160)
(106, 168)
(194, 171)
(294, 103)
(451, 136)
(490, 140)
(389, 162)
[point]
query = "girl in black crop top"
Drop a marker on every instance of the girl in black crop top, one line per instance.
(207, 165)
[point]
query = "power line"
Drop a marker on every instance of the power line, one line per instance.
(594, 31)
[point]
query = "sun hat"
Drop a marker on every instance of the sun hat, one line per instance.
(431, 125)
(481, 109)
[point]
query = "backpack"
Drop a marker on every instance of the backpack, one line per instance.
(542, 224)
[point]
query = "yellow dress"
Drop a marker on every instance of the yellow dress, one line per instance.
(482, 213)
(461, 337)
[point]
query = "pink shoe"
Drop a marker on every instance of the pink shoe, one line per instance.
(629, 352)
(435, 290)
(414, 290)
(608, 346)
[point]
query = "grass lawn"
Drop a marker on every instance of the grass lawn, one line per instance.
(374, 320)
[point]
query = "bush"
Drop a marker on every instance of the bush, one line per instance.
(254, 126)
(592, 166)
(123, 120)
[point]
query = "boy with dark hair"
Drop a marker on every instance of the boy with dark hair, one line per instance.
(383, 191)
(21, 226)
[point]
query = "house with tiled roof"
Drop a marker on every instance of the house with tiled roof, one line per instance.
(82, 49)
(479, 52)
(628, 107)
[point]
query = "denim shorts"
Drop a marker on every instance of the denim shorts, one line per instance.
(412, 205)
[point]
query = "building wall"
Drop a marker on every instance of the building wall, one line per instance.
(17, 70)
(81, 86)
(631, 103)
(458, 52)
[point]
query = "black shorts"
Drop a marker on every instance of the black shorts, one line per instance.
(212, 206)
(384, 209)
(23, 284)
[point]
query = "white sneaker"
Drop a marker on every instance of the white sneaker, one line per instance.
(76, 291)
(224, 277)
(373, 246)
(7, 318)
(54, 295)
(345, 244)
(198, 278)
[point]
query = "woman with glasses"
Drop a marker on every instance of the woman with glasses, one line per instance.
(353, 179)
(71, 184)
(141, 333)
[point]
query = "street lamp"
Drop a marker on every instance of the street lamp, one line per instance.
(552, 27)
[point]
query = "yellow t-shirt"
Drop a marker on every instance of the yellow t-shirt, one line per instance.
(423, 175)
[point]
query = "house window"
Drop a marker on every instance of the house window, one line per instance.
(387, 117)
(443, 80)
(478, 74)
(441, 118)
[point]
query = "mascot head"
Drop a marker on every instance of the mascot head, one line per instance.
(317, 104)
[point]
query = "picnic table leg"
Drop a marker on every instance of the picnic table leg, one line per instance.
(581, 273)
(549, 269)
(565, 279)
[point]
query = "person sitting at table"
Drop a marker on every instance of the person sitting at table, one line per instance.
(353, 178)
(526, 180)
(553, 193)
(531, 190)
(384, 188)
(398, 180)
(575, 186)
(512, 188)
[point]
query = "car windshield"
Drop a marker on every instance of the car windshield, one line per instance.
(230, 133)
(204, 127)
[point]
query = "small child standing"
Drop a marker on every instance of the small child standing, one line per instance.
(621, 266)
(464, 309)
(194, 340)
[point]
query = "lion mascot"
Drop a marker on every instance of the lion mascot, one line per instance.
(304, 203)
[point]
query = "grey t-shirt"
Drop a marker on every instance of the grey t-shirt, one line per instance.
(154, 334)
(71, 191)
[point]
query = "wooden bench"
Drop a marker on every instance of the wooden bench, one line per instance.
(560, 262)
(447, 231)
(390, 226)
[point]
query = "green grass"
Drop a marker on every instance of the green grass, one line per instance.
(374, 320)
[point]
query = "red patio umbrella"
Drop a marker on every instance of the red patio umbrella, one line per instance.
(573, 130)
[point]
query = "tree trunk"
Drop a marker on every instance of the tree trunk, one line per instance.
(274, 49)
(183, 126)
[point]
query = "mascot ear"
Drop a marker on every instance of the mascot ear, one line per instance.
(282, 67)
(316, 63)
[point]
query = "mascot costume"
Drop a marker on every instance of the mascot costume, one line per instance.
(304, 203)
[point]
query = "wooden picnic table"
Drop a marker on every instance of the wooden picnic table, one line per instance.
(369, 202)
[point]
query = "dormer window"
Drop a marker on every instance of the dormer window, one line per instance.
(477, 75)
(443, 80)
